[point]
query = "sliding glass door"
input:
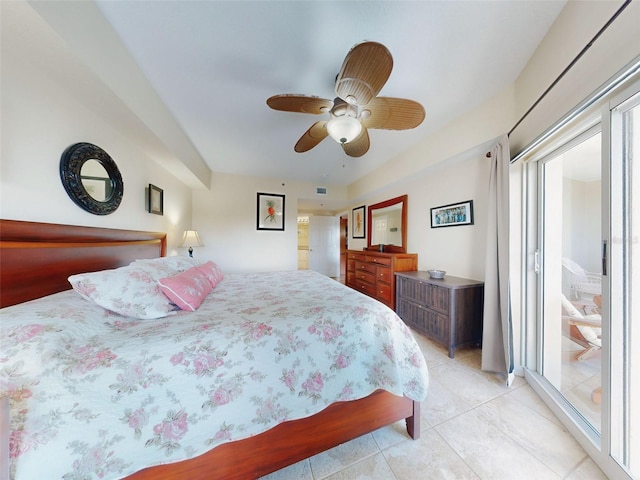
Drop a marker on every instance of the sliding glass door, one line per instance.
(570, 282)
(586, 228)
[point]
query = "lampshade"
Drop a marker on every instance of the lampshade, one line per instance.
(344, 129)
(191, 239)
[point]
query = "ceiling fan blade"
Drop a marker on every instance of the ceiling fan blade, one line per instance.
(365, 70)
(392, 114)
(359, 146)
(300, 103)
(312, 137)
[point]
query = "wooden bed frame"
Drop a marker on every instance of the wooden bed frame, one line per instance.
(37, 258)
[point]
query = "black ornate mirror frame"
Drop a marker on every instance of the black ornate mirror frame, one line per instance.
(71, 162)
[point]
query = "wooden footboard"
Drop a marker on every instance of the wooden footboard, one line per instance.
(293, 441)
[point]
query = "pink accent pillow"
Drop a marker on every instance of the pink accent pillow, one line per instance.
(212, 272)
(187, 289)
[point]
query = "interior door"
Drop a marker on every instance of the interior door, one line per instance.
(324, 245)
(344, 246)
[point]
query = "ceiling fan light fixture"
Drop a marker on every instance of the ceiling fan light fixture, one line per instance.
(344, 129)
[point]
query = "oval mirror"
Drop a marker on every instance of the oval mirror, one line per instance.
(91, 178)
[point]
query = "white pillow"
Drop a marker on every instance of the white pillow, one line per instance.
(130, 291)
(162, 267)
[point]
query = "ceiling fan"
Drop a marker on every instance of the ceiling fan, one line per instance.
(365, 70)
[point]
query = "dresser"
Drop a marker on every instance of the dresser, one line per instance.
(373, 272)
(448, 311)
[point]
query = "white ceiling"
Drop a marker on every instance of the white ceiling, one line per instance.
(214, 64)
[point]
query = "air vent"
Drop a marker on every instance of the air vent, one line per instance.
(321, 190)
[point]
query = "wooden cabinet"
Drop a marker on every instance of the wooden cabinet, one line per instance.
(373, 272)
(448, 311)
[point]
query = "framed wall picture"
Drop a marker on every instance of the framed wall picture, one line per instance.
(156, 200)
(452, 215)
(358, 222)
(270, 212)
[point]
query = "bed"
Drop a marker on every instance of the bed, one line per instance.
(301, 400)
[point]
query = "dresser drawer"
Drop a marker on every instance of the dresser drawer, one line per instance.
(378, 260)
(383, 274)
(364, 276)
(367, 267)
(425, 320)
(355, 256)
(384, 293)
(440, 299)
(415, 290)
(365, 287)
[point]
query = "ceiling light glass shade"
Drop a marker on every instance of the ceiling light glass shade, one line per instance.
(344, 129)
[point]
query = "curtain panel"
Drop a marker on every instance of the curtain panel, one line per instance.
(497, 334)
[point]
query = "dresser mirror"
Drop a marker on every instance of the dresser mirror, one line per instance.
(91, 178)
(387, 225)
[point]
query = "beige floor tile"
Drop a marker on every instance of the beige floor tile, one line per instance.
(297, 471)
(587, 470)
(472, 386)
(527, 396)
(374, 467)
(428, 458)
(391, 435)
(489, 451)
(545, 440)
(342, 456)
(442, 404)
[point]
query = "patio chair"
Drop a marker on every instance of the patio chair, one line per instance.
(585, 330)
(581, 283)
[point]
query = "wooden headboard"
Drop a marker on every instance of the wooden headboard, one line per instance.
(37, 258)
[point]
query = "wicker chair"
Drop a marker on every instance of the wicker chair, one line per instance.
(581, 283)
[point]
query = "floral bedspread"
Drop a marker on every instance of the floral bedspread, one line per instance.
(97, 395)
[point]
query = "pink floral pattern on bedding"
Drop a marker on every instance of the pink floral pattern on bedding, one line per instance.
(101, 396)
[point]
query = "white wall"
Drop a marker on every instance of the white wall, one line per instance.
(458, 250)
(40, 119)
(225, 217)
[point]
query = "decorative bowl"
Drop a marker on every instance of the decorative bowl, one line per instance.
(436, 273)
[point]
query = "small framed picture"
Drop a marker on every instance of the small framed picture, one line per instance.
(270, 212)
(358, 222)
(452, 215)
(156, 200)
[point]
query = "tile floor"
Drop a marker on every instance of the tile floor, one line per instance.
(473, 427)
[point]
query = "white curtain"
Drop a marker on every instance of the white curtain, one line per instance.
(497, 334)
